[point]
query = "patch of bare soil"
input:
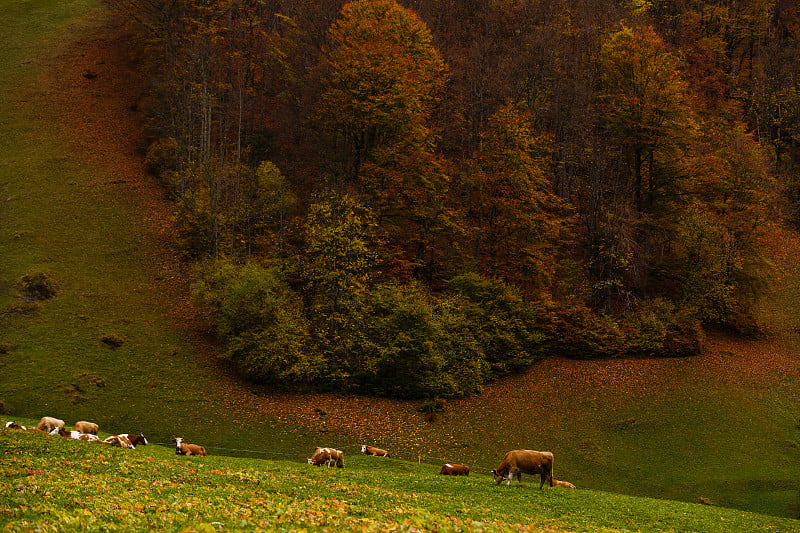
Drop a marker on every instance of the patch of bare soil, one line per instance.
(96, 87)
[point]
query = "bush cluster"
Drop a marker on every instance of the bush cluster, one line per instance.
(404, 341)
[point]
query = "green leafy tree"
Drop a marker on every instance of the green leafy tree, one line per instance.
(338, 261)
(260, 321)
(421, 346)
(265, 208)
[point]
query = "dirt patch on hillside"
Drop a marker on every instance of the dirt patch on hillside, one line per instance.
(95, 89)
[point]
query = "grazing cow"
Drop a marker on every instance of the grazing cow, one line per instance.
(184, 448)
(372, 450)
(328, 457)
(48, 424)
(518, 462)
(86, 427)
(565, 484)
(449, 469)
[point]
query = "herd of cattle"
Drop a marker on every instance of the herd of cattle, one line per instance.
(87, 431)
(514, 463)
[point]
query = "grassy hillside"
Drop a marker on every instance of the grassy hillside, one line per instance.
(60, 484)
(720, 427)
(83, 224)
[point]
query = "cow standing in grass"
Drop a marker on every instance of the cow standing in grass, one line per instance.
(328, 457)
(48, 424)
(518, 462)
(87, 427)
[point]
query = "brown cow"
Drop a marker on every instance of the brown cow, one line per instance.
(328, 457)
(48, 424)
(86, 427)
(518, 462)
(565, 484)
(372, 450)
(184, 448)
(449, 469)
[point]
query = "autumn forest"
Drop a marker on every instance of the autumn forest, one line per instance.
(411, 198)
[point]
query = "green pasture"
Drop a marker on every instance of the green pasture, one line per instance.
(730, 444)
(57, 484)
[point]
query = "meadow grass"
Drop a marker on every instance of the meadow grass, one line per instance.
(58, 216)
(687, 439)
(57, 484)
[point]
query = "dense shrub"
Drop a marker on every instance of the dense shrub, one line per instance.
(261, 322)
(573, 330)
(161, 156)
(658, 328)
(421, 346)
(403, 341)
(503, 323)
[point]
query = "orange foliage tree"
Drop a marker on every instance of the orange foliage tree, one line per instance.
(515, 222)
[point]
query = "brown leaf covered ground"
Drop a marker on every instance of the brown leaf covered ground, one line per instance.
(96, 90)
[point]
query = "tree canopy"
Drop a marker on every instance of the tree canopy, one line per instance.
(460, 188)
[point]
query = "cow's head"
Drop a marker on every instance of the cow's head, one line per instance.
(498, 478)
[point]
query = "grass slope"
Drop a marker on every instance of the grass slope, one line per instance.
(57, 484)
(63, 214)
(683, 429)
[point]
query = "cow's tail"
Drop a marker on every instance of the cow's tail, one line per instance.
(550, 473)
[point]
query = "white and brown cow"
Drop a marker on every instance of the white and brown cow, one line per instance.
(518, 462)
(126, 440)
(48, 424)
(77, 435)
(451, 469)
(65, 433)
(328, 457)
(184, 448)
(13, 425)
(565, 484)
(366, 449)
(87, 427)
(119, 441)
